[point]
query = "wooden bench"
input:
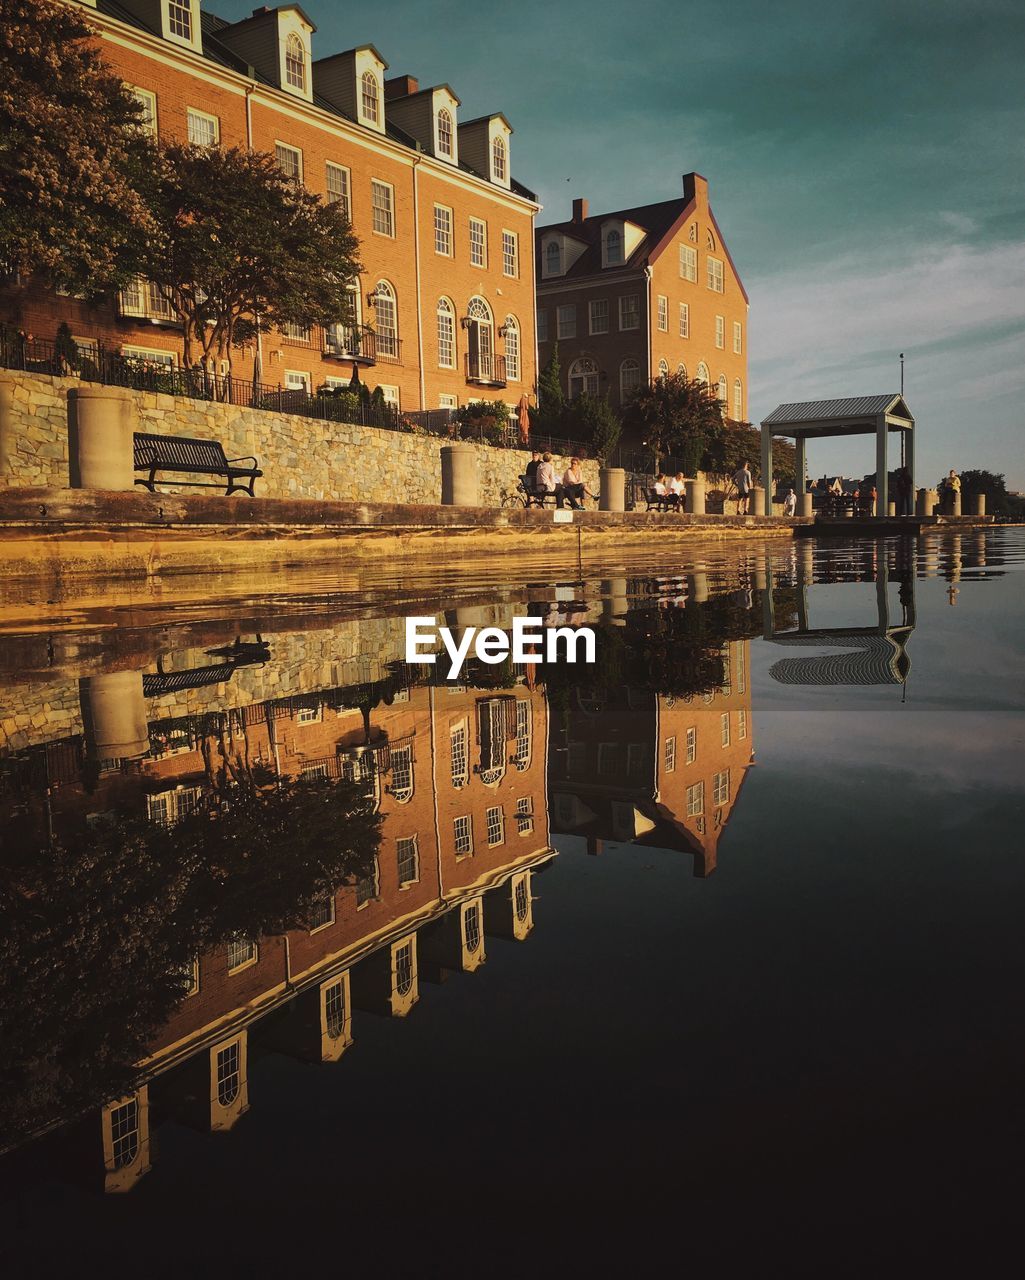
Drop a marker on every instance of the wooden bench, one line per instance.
(531, 496)
(663, 501)
(182, 455)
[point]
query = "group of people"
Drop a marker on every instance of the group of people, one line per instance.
(671, 491)
(543, 479)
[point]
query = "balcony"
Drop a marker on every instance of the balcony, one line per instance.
(143, 300)
(351, 342)
(486, 370)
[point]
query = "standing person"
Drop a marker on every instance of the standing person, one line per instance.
(903, 491)
(790, 503)
(544, 479)
(573, 486)
(744, 484)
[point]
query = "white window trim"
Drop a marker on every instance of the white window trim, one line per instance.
(345, 199)
(482, 224)
(720, 333)
(635, 299)
(515, 273)
(663, 313)
(738, 338)
(684, 319)
(206, 116)
(288, 146)
(450, 252)
(151, 102)
(590, 316)
(379, 182)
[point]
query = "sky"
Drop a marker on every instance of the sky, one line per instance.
(866, 164)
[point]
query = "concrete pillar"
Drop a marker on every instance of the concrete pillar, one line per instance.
(699, 580)
(101, 421)
(891, 508)
(801, 448)
(953, 503)
(926, 502)
(114, 712)
(977, 504)
(615, 601)
(761, 501)
(696, 497)
(909, 455)
(460, 476)
(612, 489)
(766, 508)
(882, 482)
(804, 507)
(882, 599)
(8, 444)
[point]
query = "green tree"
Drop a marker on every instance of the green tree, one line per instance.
(593, 419)
(675, 415)
(550, 400)
(993, 485)
(239, 246)
(72, 155)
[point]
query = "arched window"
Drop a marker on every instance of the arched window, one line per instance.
(722, 389)
(522, 900)
(709, 240)
(446, 334)
(512, 349)
(371, 95)
(663, 368)
(738, 401)
(445, 132)
(481, 337)
(703, 373)
(583, 377)
(629, 379)
(401, 763)
(498, 159)
(613, 248)
(553, 258)
(471, 928)
(295, 62)
(681, 369)
(387, 320)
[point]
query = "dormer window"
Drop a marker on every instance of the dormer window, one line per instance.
(295, 63)
(553, 258)
(371, 97)
(179, 19)
(445, 132)
(613, 248)
(499, 158)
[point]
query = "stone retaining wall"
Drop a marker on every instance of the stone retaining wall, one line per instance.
(300, 457)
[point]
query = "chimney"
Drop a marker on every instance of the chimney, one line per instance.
(579, 210)
(400, 87)
(694, 184)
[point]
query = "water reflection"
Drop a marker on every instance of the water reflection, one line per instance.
(224, 843)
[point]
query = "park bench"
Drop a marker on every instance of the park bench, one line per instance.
(182, 455)
(531, 495)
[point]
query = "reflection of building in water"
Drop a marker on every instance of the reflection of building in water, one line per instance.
(459, 777)
(633, 766)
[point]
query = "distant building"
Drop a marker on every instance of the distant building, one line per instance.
(640, 292)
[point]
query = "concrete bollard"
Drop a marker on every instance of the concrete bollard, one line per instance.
(612, 489)
(891, 509)
(699, 579)
(925, 504)
(977, 504)
(757, 504)
(804, 507)
(101, 421)
(114, 711)
(460, 476)
(954, 503)
(8, 444)
(696, 497)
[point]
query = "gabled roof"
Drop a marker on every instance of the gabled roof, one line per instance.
(492, 115)
(420, 93)
(654, 219)
(258, 15)
(836, 410)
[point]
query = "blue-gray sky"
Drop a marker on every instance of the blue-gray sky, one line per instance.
(866, 162)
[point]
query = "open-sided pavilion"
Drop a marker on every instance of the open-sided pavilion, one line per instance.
(855, 416)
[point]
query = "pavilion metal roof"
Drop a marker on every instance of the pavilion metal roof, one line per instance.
(836, 410)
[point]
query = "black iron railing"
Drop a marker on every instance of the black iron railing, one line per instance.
(486, 369)
(350, 342)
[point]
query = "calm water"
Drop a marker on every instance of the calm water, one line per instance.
(719, 940)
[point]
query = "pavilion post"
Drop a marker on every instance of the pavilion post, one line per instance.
(801, 467)
(767, 470)
(882, 497)
(882, 582)
(768, 606)
(909, 458)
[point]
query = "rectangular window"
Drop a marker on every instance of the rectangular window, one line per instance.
(720, 332)
(165, 808)
(334, 1009)
(309, 715)
(524, 816)
(724, 729)
(692, 745)
(688, 263)
(684, 320)
(629, 312)
(124, 1133)
(663, 313)
(721, 788)
(312, 772)
(179, 19)
(478, 243)
(738, 337)
(204, 130)
(443, 230)
(402, 958)
(742, 723)
(715, 274)
(146, 300)
(567, 316)
(524, 734)
(496, 825)
(338, 188)
(381, 201)
(290, 160)
(297, 380)
(299, 335)
(446, 401)
(542, 326)
(457, 755)
(229, 1073)
(401, 773)
(695, 800)
(242, 952)
(462, 834)
(322, 913)
(598, 316)
(741, 668)
(409, 861)
(148, 355)
(510, 254)
(670, 756)
(148, 102)
(391, 395)
(368, 887)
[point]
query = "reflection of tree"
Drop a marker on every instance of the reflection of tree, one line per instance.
(101, 928)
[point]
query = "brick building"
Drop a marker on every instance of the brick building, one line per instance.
(640, 292)
(443, 312)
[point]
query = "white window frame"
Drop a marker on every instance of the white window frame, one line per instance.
(510, 254)
(147, 99)
(167, 358)
(633, 311)
(696, 799)
(292, 41)
(741, 723)
(688, 263)
(715, 274)
(524, 816)
(391, 395)
(284, 150)
(301, 380)
(244, 951)
(721, 788)
(478, 243)
(386, 310)
(445, 322)
(738, 338)
(663, 313)
(382, 204)
(494, 825)
(724, 729)
(595, 316)
(462, 835)
(684, 319)
(443, 238)
(343, 195)
(669, 758)
(625, 391)
(459, 754)
(512, 349)
(692, 744)
(738, 400)
(566, 321)
(325, 924)
(720, 332)
(403, 793)
(414, 847)
(370, 104)
(443, 134)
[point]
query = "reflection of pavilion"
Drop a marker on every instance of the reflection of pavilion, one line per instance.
(874, 655)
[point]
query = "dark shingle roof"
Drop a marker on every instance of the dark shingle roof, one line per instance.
(656, 219)
(834, 410)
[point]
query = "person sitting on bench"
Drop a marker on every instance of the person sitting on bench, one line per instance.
(532, 466)
(573, 487)
(677, 488)
(544, 478)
